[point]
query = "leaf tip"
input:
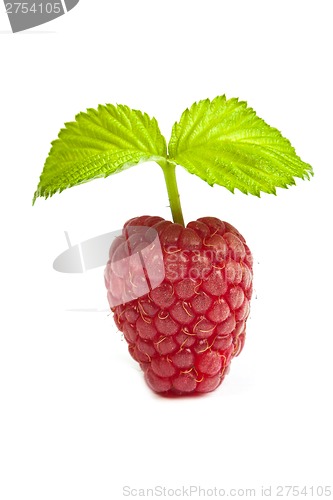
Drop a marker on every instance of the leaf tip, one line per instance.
(309, 172)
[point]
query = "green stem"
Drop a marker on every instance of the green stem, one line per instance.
(169, 170)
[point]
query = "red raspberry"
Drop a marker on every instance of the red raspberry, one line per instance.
(181, 298)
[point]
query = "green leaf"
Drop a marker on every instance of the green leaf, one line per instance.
(99, 143)
(224, 142)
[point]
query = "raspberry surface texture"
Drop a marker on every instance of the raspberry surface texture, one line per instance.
(180, 296)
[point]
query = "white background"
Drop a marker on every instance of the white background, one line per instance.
(76, 419)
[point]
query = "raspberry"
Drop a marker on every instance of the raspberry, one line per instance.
(185, 331)
(180, 295)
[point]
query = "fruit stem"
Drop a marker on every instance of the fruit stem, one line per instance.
(169, 170)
